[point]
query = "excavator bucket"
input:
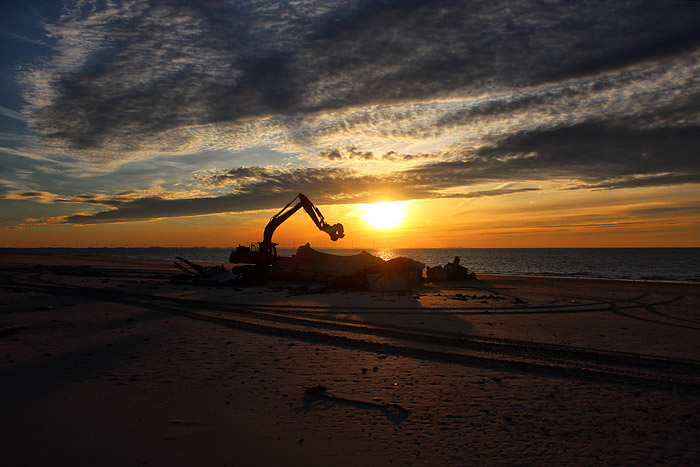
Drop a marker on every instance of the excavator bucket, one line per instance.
(335, 231)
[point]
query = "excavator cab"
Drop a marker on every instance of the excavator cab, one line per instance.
(249, 255)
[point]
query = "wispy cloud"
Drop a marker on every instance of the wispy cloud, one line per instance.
(30, 153)
(586, 156)
(258, 188)
(23, 37)
(593, 152)
(38, 196)
(12, 114)
(135, 77)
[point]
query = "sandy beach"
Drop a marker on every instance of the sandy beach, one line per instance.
(107, 361)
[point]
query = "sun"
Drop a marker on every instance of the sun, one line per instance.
(385, 215)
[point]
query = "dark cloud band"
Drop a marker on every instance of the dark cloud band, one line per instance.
(127, 74)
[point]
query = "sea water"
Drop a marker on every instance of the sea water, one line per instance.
(658, 264)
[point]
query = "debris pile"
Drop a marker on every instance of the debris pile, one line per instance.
(396, 275)
(206, 275)
(450, 272)
(363, 271)
(314, 265)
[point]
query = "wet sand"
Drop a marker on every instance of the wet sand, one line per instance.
(106, 361)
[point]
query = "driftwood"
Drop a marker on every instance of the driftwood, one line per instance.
(321, 391)
(199, 269)
(11, 329)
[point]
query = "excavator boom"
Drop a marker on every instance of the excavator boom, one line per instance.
(266, 249)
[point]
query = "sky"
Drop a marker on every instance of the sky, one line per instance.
(485, 123)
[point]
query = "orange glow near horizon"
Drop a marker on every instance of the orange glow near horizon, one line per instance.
(661, 217)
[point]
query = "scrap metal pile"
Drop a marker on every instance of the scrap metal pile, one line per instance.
(450, 272)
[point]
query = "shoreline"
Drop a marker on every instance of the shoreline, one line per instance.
(106, 360)
(228, 265)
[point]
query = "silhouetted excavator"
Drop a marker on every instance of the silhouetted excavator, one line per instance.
(265, 252)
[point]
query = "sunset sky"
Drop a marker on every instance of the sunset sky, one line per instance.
(546, 123)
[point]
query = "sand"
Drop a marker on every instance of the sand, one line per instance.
(105, 361)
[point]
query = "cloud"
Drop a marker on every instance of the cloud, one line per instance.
(129, 78)
(352, 153)
(577, 157)
(12, 114)
(30, 154)
(23, 38)
(331, 155)
(644, 182)
(150, 208)
(258, 188)
(38, 196)
(594, 152)
(668, 210)
(97, 199)
(400, 100)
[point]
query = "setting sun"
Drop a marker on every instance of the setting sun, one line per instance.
(385, 215)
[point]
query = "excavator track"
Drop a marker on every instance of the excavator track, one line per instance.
(319, 325)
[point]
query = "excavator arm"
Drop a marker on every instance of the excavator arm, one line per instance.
(335, 231)
(266, 249)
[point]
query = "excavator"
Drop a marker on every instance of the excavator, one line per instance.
(265, 253)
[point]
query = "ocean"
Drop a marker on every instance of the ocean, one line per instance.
(653, 264)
